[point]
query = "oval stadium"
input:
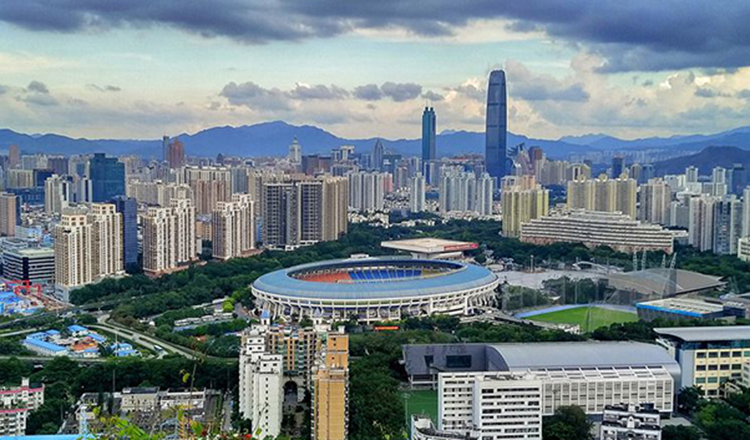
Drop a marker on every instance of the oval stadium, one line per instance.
(375, 289)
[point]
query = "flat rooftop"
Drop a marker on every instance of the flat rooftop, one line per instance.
(692, 307)
(707, 334)
(429, 245)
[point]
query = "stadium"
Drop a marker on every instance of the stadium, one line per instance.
(375, 289)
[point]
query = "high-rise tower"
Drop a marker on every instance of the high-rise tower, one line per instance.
(496, 142)
(429, 125)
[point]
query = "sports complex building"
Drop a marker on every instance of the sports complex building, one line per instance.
(375, 289)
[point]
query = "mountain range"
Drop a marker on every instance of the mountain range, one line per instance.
(273, 138)
(705, 160)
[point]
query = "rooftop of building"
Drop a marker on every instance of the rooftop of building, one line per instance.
(32, 252)
(592, 354)
(44, 344)
(707, 334)
(429, 245)
(658, 281)
(682, 306)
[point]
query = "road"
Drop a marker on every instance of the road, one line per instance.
(19, 332)
(43, 359)
(145, 340)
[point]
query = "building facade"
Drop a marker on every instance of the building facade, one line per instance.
(522, 201)
(595, 228)
(495, 153)
(233, 227)
(169, 237)
(330, 389)
(15, 405)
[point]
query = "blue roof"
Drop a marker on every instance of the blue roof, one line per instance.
(97, 337)
(37, 335)
(44, 344)
(465, 276)
(670, 310)
(49, 437)
(77, 328)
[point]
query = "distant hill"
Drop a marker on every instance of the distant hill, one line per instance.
(273, 138)
(270, 139)
(738, 137)
(705, 160)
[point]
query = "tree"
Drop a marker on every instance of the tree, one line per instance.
(568, 423)
(689, 400)
(680, 433)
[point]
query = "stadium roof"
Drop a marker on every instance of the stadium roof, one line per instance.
(658, 281)
(707, 334)
(467, 276)
(548, 355)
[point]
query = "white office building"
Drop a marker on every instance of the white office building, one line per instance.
(261, 384)
(417, 193)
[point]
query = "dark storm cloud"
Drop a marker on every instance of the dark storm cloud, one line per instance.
(37, 87)
(398, 92)
(401, 92)
(319, 91)
(632, 35)
(105, 88)
(369, 92)
(432, 96)
(705, 92)
(254, 96)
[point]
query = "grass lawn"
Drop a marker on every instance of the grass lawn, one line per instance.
(600, 317)
(422, 402)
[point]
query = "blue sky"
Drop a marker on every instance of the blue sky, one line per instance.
(141, 69)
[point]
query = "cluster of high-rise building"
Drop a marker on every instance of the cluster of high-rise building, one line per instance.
(464, 191)
(315, 359)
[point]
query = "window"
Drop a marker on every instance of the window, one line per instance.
(713, 380)
(458, 361)
(700, 355)
(428, 360)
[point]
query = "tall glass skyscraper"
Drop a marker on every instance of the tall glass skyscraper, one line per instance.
(496, 142)
(429, 125)
(128, 207)
(107, 177)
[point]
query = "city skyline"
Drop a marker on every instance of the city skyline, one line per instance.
(89, 70)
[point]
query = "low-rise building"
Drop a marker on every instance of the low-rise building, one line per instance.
(15, 405)
(595, 228)
(708, 356)
(422, 428)
(685, 308)
(630, 422)
(36, 265)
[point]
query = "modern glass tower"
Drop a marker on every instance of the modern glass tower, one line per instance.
(429, 125)
(496, 142)
(128, 207)
(107, 177)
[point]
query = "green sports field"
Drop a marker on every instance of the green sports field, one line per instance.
(422, 402)
(600, 317)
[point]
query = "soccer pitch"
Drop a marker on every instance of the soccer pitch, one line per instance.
(599, 317)
(422, 402)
